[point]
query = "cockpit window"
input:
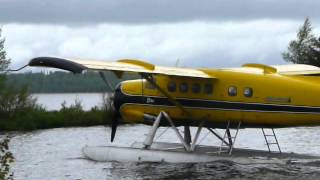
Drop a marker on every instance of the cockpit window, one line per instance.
(172, 86)
(196, 88)
(183, 87)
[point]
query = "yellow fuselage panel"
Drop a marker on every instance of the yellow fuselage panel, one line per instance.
(277, 100)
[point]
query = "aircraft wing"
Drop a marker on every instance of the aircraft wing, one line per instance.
(297, 69)
(124, 65)
(291, 69)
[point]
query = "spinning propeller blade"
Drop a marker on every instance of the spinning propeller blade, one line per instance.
(114, 116)
(114, 125)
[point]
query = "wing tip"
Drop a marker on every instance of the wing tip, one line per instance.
(60, 63)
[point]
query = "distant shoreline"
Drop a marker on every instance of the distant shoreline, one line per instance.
(63, 82)
(57, 93)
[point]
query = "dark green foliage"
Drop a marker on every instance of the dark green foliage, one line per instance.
(38, 118)
(63, 82)
(4, 61)
(305, 49)
(15, 101)
(6, 158)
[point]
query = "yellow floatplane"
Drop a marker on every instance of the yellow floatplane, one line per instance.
(251, 96)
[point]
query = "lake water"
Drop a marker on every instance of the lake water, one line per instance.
(54, 101)
(56, 153)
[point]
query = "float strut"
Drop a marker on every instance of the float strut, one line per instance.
(150, 137)
(149, 140)
(187, 134)
(229, 137)
(218, 136)
(186, 146)
(193, 145)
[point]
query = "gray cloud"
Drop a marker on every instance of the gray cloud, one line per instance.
(196, 44)
(152, 11)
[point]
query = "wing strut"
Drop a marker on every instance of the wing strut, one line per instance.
(149, 78)
(103, 77)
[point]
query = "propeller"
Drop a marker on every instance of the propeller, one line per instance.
(114, 120)
(112, 113)
(114, 126)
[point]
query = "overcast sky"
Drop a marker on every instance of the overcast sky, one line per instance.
(204, 33)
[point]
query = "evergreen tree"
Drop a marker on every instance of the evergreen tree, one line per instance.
(4, 61)
(6, 157)
(12, 100)
(305, 49)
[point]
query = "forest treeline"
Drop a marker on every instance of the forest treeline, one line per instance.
(63, 82)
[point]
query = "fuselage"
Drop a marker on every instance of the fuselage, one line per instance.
(254, 99)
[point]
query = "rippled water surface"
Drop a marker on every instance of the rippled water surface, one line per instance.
(56, 154)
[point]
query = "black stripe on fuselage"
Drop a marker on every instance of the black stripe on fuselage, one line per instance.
(123, 98)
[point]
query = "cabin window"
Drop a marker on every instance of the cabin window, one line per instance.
(196, 88)
(172, 86)
(248, 92)
(183, 87)
(208, 88)
(232, 91)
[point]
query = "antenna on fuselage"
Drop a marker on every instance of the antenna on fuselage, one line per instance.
(177, 62)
